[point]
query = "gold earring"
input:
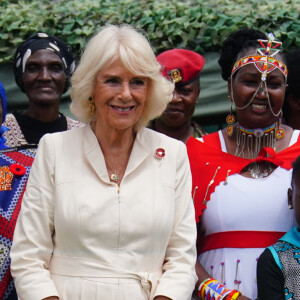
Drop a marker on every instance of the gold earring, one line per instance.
(91, 108)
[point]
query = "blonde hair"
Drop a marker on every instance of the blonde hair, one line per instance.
(133, 49)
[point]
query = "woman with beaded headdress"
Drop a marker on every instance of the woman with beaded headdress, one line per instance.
(241, 173)
(43, 65)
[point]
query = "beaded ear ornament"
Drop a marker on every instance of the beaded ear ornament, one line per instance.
(230, 120)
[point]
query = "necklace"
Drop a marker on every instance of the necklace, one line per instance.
(116, 174)
(114, 177)
(252, 141)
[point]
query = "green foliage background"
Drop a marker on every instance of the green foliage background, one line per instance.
(200, 25)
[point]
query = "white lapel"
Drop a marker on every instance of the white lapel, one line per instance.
(140, 151)
(144, 145)
(94, 153)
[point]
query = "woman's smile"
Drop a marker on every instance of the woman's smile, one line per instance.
(123, 109)
(258, 108)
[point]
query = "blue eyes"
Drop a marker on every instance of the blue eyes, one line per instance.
(138, 82)
(112, 81)
(133, 82)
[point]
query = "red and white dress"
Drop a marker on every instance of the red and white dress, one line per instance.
(240, 216)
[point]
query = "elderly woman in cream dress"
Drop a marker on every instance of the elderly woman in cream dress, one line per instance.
(107, 212)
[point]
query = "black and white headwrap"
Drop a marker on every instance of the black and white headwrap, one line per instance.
(40, 41)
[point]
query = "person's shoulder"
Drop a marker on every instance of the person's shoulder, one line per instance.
(65, 145)
(67, 135)
(154, 141)
(155, 137)
(212, 139)
(213, 135)
(10, 118)
(71, 123)
(266, 255)
(296, 133)
(198, 130)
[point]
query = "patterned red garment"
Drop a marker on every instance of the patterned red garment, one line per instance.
(210, 165)
(10, 204)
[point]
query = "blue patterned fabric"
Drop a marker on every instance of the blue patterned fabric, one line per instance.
(10, 204)
(286, 253)
(4, 109)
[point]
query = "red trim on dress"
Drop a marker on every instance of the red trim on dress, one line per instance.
(239, 239)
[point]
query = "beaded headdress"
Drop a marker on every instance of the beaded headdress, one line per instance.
(264, 60)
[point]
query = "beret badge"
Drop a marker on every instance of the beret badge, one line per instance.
(175, 75)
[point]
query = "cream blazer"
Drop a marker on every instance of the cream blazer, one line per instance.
(80, 237)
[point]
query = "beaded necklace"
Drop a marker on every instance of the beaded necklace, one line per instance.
(249, 144)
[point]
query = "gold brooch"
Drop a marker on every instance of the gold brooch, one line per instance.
(175, 75)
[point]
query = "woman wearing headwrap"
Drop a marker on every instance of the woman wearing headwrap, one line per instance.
(42, 67)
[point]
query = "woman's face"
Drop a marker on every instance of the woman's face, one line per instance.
(119, 97)
(44, 77)
(259, 113)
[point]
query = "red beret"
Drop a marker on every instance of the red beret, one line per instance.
(181, 65)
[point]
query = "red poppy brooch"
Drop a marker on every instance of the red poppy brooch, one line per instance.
(160, 153)
(7, 175)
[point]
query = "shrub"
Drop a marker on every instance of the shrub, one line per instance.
(200, 25)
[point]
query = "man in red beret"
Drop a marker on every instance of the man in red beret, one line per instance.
(183, 67)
